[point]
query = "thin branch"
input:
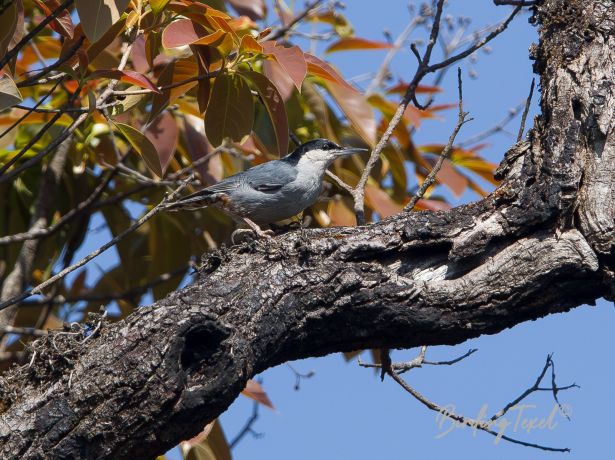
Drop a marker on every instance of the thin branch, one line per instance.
(430, 179)
(30, 110)
(383, 70)
(340, 182)
(40, 287)
(497, 128)
(465, 420)
(283, 30)
(526, 110)
(247, 428)
(515, 2)
(30, 35)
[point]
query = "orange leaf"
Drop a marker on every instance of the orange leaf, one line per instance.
(356, 108)
(128, 76)
(249, 45)
(291, 59)
(381, 202)
(182, 32)
(319, 68)
(174, 72)
(355, 43)
(402, 87)
(255, 391)
(163, 133)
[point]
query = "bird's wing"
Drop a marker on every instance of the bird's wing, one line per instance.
(270, 177)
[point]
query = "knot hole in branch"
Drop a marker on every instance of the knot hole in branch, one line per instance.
(201, 344)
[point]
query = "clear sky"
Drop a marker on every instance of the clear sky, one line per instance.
(345, 412)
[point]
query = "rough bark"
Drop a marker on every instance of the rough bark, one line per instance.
(541, 243)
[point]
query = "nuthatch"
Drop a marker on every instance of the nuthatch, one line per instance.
(271, 191)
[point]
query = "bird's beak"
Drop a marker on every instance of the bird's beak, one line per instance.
(347, 151)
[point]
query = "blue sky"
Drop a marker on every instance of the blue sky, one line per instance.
(345, 412)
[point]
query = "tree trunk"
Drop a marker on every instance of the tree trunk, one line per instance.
(541, 243)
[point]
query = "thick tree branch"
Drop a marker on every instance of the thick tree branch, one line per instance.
(541, 243)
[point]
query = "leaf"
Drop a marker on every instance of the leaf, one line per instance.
(210, 444)
(174, 72)
(107, 38)
(356, 108)
(8, 24)
(355, 43)
(278, 76)
(401, 88)
(254, 9)
(231, 110)
(341, 215)
(255, 391)
(381, 202)
(158, 5)
(186, 32)
(97, 16)
(9, 94)
(163, 133)
(275, 107)
(143, 146)
(291, 59)
(128, 76)
(319, 68)
(250, 45)
(62, 24)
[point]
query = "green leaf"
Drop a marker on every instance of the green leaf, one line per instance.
(230, 112)
(97, 16)
(275, 107)
(9, 94)
(143, 146)
(158, 5)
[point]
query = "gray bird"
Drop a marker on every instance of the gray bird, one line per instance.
(271, 191)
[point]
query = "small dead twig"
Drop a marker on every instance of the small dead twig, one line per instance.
(248, 427)
(526, 110)
(430, 179)
(299, 376)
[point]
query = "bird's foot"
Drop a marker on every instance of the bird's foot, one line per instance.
(268, 234)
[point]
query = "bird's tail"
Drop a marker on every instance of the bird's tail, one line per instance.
(197, 200)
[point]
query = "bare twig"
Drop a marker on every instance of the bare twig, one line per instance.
(430, 179)
(283, 30)
(497, 128)
(515, 2)
(300, 376)
(526, 110)
(247, 428)
(40, 287)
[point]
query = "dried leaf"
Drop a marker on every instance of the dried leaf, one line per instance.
(275, 108)
(255, 391)
(230, 112)
(142, 146)
(163, 133)
(355, 43)
(97, 16)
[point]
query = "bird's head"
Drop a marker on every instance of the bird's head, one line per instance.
(321, 151)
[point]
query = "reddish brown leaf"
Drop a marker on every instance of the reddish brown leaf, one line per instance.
(431, 205)
(62, 24)
(291, 59)
(275, 107)
(401, 88)
(340, 214)
(254, 9)
(174, 72)
(255, 391)
(381, 202)
(355, 43)
(450, 178)
(230, 112)
(278, 76)
(319, 68)
(139, 56)
(356, 108)
(198, 147)
(128, 76)
(182, 32)
(163, 133)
